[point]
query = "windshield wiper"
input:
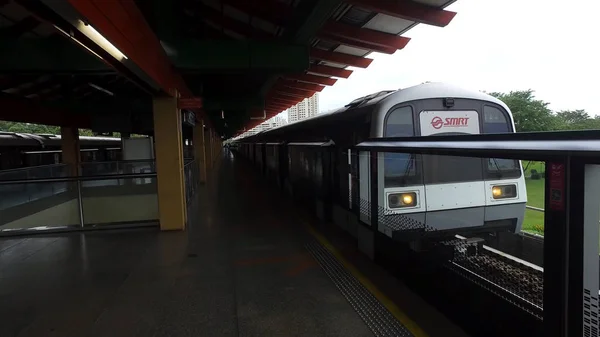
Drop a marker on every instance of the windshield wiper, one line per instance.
(498, 172)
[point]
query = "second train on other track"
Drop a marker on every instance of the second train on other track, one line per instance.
(418, 195)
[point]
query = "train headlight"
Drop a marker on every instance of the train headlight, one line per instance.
(504, 191)
(400, 200)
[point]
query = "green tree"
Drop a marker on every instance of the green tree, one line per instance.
(40, 129)
(573, 117)
(577, 120)
(530, 114)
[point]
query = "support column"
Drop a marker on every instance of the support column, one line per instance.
(169, 163)
(200, 151)
(215, 145)
(208, 149)
(71, 153)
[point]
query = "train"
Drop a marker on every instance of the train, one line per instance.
(419, 196)
(18, 150)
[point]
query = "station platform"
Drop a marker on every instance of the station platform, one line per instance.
(249, 264)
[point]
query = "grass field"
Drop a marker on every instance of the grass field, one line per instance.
(534, 220)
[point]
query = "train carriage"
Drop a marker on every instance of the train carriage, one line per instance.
(436, 195)
(444, 193)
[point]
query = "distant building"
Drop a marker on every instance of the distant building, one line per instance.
(274, 122)
(308, 107)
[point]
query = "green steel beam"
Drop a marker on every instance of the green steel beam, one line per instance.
(58, 55)
(55, 55)
(309, 17)
(227, 55)
(164, 20)
(235, 103)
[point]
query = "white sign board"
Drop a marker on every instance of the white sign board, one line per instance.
(436, 122)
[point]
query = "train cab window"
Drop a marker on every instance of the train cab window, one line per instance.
(400, 169)
(496, 121)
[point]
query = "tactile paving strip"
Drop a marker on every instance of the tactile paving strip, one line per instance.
(375, 315)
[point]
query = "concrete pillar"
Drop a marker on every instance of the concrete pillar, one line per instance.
(200, 151)
(169, 163)
(209, 150)
(71, 153)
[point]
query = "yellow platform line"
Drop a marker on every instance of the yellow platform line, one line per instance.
(392, 308)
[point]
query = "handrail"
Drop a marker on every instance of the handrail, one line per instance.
(31, 168)
(119, 161)
(486, 146)
(80, 178)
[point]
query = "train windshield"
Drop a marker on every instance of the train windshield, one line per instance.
(402, 169)
(495, 121)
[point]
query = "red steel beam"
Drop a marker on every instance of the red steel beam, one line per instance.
(356, 44)
(285, 100)
(408, 10)
(301, 85)
(291, 91)
(123, 24)
(340, 58)
(272, 11)
(362, 37)
(330, 71)
(278, 107)
(312, 79)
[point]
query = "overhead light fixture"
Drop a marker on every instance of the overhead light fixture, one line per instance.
(99, 88)
(222, 114)
(70, 36)
(100, 40)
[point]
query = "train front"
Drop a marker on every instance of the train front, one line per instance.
(448, 195)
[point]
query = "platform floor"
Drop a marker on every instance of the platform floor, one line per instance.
(242, 268)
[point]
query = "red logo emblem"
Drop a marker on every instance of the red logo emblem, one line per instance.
(437, 123)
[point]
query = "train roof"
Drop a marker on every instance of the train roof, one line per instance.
(43, 140)
(416, 92)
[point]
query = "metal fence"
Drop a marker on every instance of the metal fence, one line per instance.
(192, 179)
(567, 286)
(54, 203)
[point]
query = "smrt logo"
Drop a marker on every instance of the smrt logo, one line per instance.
(437, 122)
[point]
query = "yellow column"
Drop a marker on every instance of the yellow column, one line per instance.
(200, 150)
(71, 153)
(169, 163)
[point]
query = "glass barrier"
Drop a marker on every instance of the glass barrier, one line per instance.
(118, 167)
(35, 172)
(192, 179)
(119, 201)
(87, 201)
(38, 205)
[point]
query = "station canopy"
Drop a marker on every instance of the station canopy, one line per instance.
(97, 64)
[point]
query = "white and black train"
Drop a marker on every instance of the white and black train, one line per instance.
(315, 159)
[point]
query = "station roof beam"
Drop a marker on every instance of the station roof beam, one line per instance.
(408, 10)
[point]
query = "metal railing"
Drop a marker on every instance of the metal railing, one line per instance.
(570, 245)
(35, 172)
(118, 167)
(192, 179)
(49, 203)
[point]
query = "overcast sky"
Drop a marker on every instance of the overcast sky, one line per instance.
(549, 46)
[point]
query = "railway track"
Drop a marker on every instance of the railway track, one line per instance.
(515, 280)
